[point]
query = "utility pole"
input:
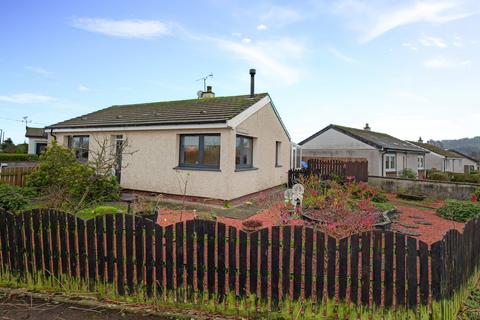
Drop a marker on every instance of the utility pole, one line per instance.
(26, 121)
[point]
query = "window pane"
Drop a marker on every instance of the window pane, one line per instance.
(277, 153)
(190, 149)
(211, 150)
(238, 150)
(247, 151)
(387, 163)
(76, 142)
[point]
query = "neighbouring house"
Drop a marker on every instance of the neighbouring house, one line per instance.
(224, 148)
(37, 140)
(441, 159)
(469, 163)
(386, 155)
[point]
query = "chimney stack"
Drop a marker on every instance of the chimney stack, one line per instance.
(367, 127)
(252, 82)
(207, 94)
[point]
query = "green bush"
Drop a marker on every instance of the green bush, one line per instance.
(379, 197)
(15, 157)
(408, 174)
(384, 206)
(98, 211)
(13, 198)
(69, 184)
(462, 177)
(438, 176)
(477, 193)
(457, 210)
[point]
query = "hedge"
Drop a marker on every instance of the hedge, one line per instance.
(17, 157)
(453, 176)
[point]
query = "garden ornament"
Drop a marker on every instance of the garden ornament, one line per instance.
(295, 195)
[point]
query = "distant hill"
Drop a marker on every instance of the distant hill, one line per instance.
(469, 146)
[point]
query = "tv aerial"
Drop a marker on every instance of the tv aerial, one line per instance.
(205, 80)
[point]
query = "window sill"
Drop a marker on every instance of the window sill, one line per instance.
(278, 166)
(197, 169)
(245, 169)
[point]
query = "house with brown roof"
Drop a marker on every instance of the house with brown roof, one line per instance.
(37, 140)
(223, 147)
(386, 155)
(445, 160)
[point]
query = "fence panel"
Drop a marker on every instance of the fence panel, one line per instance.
(383, 269)
(330, 169)
(16, 176)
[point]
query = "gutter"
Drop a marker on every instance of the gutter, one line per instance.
(53, 135)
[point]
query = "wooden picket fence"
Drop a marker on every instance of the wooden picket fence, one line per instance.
(278, 266)
(16, 176)
(328, 169)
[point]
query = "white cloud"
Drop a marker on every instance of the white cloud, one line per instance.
(38, 70)
(236, 34)
(440, 62)
(273, 58)
(457, 42)
(432, 41)
(26, 98)
(246, 40)
(262, 27)
(280, 16)
(144, 29)
(411, 96)
(340, 55)
(410, 46)
(83, 88)
(374, 20)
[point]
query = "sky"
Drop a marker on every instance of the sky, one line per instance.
(408, 68)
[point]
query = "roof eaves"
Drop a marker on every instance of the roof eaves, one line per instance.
(135, 125)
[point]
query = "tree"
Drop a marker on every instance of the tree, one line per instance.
(65, 183)
(8, 146)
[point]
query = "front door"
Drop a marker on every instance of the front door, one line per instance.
(40, 147)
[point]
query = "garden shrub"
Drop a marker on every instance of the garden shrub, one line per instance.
(13, 198)
(438, 176)
(69, 184)
(340, 209)
(457, 210)
(477, 193)
(463, 177)
(384, 206)
(98, 211)
(408, 174)
(14, 157)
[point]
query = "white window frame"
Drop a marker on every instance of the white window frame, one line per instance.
(420, 162)
(390, 159)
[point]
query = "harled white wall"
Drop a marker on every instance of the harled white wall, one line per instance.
(153, 165)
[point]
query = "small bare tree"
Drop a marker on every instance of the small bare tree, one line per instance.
(183, 179)
(105, 158)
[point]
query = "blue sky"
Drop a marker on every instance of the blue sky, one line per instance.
(409, 68)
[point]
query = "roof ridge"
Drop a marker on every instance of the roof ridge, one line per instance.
(217, 109)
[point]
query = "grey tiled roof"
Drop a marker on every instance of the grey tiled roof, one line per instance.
(378, 140)
(437, 150)
(35, 133)
(194, 111)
